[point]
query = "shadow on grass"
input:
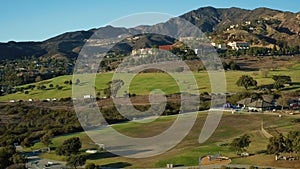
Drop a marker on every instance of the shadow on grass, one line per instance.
(290, 88)
(294, 83)
(178, 165)
(262, 152)
(100, 155)
(117, 165)
(267, 86)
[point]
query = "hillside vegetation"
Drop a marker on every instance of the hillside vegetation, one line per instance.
(144, 83)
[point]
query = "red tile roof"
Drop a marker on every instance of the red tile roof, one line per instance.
(166, 47)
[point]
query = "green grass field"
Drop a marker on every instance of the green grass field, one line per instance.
(146, 82)
(189, 150)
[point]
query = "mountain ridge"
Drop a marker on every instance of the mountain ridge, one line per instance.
(208, 19)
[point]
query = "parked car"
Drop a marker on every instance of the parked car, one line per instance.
(244, 154)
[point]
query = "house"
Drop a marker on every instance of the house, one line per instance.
(269, 99)
(88, 96)
(259, 105)
(237, 45)
(142, 52)
(248, 22)
(165, 47)
(91, 151)
(204, 48)
(12, 101)
(245, 102)
(221, 46)
(267, 103)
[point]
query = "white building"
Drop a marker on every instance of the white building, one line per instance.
(221, 46)
(142, 52)
(237, 45)
(88, 96)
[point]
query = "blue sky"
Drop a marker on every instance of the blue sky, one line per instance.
(35, 20)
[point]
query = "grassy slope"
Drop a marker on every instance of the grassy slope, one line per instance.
(188, 151)
(144, 83)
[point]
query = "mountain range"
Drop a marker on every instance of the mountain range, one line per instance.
(260, 27)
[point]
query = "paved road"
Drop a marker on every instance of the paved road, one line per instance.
(36, 162)
(213, 167)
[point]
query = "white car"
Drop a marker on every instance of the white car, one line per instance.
(244, 154)
(50, 163)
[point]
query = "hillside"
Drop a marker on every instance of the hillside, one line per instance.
(188, 151)
(275, 27)
(260, 26)
(168, 85)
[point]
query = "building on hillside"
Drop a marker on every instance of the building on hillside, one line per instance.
(12, 101)
(144, 52)
(192, 38)
(88, 97)
(244, 103)
(165, 47)
(204, 49)
(259, 105)
(269, 98)
(238, 45)
(248, 23)
(221, 46)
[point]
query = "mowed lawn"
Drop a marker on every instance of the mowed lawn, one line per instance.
(187, 152)
(144, 83)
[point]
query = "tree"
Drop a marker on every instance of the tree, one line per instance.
(46, 139)
(283, 101)
(293, 142)
(17, 166)
(38, 79)
(277, 145)
(107, 92)
(76, 160)
(66, 82)
(18, 159)
(279, 84)
(6, 154)
(280, 81)
(246, 81)
(296, 145)
(233, 66)
(69, 146)
(90, 166)
(77, 82)
(239, 144)
(43, 87)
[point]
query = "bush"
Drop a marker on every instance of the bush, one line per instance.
(66, 82)
(90, 166)
(69, 146)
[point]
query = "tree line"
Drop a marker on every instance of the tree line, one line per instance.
(285, 144)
